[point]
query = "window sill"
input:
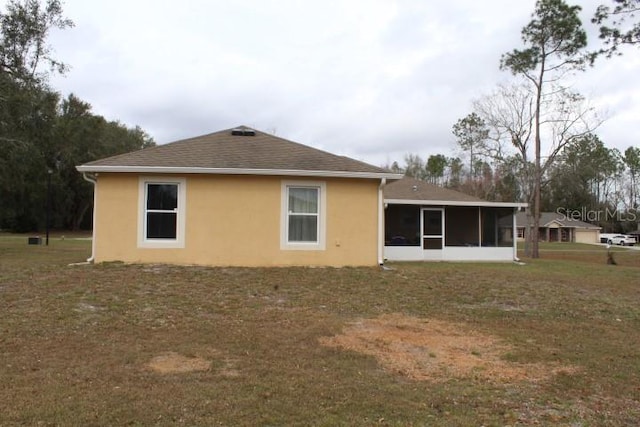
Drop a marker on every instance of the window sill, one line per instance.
(161, 244)
(302, 247)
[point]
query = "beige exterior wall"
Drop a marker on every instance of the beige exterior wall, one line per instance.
(235, 220)
(587, 236)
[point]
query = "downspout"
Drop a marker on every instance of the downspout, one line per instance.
(92, 178)
(383, 182)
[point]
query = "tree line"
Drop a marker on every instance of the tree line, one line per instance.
(534, 139)
(43, 136)
(587, 177)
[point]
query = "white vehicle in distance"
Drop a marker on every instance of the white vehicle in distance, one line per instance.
(622, 240)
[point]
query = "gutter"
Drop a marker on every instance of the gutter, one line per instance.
(93, 179)
(237, 171)
(383, 182)
(477, 203)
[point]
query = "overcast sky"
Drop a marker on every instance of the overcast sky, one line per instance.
(369, 79)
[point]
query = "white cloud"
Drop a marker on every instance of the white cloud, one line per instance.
(369, 79)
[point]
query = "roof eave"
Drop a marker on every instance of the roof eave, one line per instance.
(237, 171)
(478, 203)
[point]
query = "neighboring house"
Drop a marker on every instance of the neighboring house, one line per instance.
(238, 197)
(556, 227)
(427, 222)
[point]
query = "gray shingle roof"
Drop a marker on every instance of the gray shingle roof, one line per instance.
(413, 189)
(546, 218)
(224, 150)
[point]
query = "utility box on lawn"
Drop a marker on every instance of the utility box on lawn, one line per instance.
(35, 240)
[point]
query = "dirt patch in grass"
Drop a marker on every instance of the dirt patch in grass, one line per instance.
(435, 350)
(174, 363)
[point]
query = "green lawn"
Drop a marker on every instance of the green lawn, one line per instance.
(625, 256)
(76, 342)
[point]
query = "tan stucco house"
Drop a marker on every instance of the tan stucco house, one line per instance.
(556, 227)
(241, 197)
(237, 197)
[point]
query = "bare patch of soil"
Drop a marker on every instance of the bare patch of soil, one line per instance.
(229, 370)
(172, 363)
(435, 350)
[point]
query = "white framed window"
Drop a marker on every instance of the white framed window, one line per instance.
(303, 218)
(161, 212)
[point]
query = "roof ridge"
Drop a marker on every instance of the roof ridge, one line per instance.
(224, 151)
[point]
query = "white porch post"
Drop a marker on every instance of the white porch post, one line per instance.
(514, 233)
(479, 227)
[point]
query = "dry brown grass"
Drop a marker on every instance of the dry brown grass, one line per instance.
(76, 343)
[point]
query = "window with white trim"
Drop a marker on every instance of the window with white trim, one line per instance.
(161, 211)
(161, 218)
(303, 215)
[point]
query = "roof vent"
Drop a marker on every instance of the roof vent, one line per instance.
(243, 132)
(414, 188)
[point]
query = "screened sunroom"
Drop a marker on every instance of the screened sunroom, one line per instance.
(427, 222)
